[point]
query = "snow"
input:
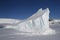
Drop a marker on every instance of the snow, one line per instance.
(57, 21)
(9, 21)
(12, 34)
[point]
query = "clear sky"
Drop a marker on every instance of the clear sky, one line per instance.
(21, 9)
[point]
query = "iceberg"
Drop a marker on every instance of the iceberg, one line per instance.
(37, 24)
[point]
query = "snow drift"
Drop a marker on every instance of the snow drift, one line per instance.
(37, 24)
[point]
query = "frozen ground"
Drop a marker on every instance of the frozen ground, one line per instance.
(11, 34)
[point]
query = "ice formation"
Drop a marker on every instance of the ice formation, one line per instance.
(35, 24)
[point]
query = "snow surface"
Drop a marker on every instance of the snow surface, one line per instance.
(12, 34)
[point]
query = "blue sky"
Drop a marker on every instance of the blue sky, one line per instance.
(21, 9)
